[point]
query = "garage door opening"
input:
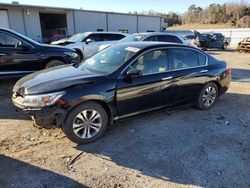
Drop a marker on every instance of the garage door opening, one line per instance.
(54, 26)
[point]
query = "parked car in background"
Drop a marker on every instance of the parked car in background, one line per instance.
(121, 81)
(154, 36)
(87, 44)
(21, 55)
(244, 45)
(211, 40)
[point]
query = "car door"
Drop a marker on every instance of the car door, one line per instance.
(149, 91)
(16, 56)
(92, 43)
(190, 73)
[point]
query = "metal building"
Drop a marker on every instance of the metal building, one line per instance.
(38, 22)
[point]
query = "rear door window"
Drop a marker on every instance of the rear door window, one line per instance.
(8, 41)
(111, 37)
(151, 38)
(183, 58)
(169, 38)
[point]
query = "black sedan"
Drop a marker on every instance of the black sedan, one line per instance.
(20, 55)
(124, 80)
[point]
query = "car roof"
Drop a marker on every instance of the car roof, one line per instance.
(103, 32)
(156, 33)
(149, 44)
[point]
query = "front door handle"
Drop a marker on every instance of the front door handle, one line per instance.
(203, 71)
(167, 78)
(2, 55)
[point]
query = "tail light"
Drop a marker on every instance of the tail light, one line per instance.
(229, 71)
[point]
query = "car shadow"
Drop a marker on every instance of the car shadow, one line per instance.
(189, 147)
(241, 75)
(15, 173)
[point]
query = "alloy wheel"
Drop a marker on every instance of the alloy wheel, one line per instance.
(209, 96)
(87, 124)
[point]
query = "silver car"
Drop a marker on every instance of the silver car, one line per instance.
(88, 43)
(154, 36)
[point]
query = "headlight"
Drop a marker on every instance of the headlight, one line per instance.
(71, 54)
(42, 100)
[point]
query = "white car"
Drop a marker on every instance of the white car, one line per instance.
(154, 36)
(88, 43)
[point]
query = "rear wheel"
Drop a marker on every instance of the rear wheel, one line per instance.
(207, 96)
(86, 123)
(224, 47)
(54, 63)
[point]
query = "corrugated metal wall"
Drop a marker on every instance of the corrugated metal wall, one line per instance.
(146, 23)
(235, 35)
(27, 21)
(32, 24)
(89, 21)
(70, 22)
(16, 20)
(118, 22)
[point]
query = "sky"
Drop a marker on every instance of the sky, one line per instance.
(125, 6)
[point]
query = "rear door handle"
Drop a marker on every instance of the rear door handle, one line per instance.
(203, 71)
(167, 78)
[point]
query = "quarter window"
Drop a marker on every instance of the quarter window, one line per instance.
(152, 62)
(201, 58)
(8, 41)
(183, 58)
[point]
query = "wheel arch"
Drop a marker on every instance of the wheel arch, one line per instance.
(104, 104)
(79, 52)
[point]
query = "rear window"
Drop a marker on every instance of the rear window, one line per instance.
(183, 58)
(169, 38)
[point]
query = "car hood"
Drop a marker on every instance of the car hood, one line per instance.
(55, 48)
(53, 79)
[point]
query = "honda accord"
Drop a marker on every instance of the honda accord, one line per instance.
(124, 80)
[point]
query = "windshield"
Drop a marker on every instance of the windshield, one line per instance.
(27, 38)
(132, 38)
(77, 37)
(110, 59)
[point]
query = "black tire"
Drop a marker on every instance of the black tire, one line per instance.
(72, 117)
(54, 63)
(200, 103)
(224, 47)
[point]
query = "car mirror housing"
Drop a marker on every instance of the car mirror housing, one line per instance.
(88, 41)
(132, 73)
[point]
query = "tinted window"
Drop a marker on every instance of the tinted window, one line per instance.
(201, 58)
(152, 62)
(151, 38)
(95, 37)
(183, 58)
(110, 37)
(8, 41)
(169, 38)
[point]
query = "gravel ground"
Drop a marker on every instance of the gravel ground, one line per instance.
(181, 148)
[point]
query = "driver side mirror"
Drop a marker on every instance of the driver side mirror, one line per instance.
(88, 41)
(133, 73)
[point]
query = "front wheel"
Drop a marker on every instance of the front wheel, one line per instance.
(207, 96)
(86, 123)
(54, 63)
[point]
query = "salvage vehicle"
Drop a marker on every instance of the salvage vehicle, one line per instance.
(210, 40)
(88, 43)
(20, 55)
(124, 80)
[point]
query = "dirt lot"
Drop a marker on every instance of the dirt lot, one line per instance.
(183, 148)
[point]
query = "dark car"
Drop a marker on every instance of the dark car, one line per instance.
(211, 40)
(124, 80)
(20, 55)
